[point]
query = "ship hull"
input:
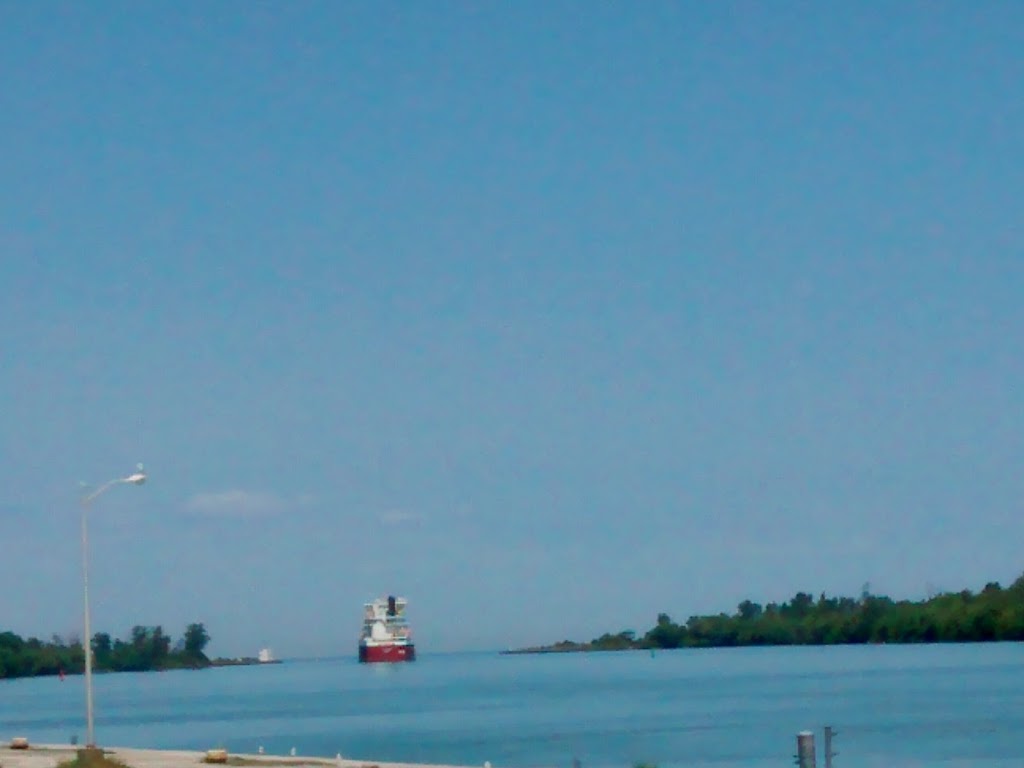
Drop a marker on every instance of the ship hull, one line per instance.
(386, 653)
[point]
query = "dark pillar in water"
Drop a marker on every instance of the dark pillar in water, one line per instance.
(805, 757)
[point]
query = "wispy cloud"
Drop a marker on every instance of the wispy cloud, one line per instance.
(399, 516)
(242, 504)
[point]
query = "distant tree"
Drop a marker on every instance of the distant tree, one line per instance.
(800, 606)
(749, 611)
(159, 645)
(993, 614)
(140, 638)
(665, 634)
(102, 649)
(196, 639)
(610, 642)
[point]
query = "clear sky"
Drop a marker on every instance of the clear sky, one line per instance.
(548, 316)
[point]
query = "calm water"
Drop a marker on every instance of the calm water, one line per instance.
(892, 706)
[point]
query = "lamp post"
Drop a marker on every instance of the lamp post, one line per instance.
(136, 478)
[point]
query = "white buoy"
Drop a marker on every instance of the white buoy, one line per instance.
(487, 764)
(293, 751)
(261, 749)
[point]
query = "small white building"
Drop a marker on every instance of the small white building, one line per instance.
(265, 656)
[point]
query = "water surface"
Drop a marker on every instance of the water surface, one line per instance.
(939, 705)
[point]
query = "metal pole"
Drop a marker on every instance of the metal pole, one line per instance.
(90, 740)
(829, 754)
(90, 735)
(805, 756)
(137, 478)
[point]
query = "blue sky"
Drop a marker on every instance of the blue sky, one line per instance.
(547, 316)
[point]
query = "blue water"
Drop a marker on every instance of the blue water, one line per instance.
(942, 705)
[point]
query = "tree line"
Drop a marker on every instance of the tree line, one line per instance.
(994, 613)
(146, 648)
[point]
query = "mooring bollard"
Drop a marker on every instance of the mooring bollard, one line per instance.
(805, 757)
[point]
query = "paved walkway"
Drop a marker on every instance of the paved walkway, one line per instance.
(50, 755)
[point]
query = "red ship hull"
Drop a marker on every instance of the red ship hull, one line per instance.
(386, 653)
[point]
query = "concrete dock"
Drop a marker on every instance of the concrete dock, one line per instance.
(51, 755)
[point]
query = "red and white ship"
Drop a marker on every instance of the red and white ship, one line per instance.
(386, 635)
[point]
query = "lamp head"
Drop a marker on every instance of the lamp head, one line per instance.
(137, 478)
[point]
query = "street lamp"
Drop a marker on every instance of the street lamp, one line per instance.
(136, 478)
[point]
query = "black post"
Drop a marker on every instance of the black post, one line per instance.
(829, 754)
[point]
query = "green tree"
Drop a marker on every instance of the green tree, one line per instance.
(102, 649)
(196, 639)
(147, 648)
(664, 634)
(749, 611)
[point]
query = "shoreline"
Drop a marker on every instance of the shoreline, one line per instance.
(582, 648)
(51, 755)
